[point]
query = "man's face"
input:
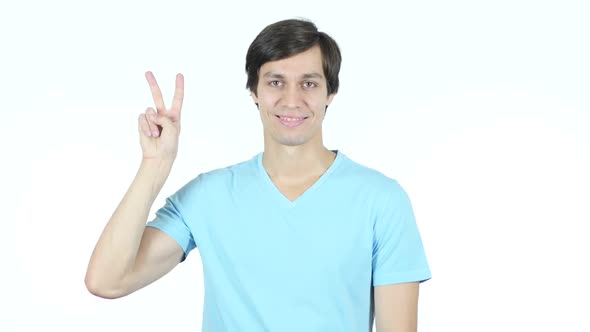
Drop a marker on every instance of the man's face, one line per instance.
(292, 97)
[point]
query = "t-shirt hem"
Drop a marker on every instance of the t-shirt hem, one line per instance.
(402, 277)
(185, 250)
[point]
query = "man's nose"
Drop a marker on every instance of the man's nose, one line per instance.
(292, 96)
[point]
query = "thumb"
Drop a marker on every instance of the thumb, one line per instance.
(164, 122)
(161, 120)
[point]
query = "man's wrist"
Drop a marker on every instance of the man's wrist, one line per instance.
(155, 171)
(157, 164)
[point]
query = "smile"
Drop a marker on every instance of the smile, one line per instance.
(290, 122)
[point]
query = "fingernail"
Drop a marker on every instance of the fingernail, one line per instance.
(155, 134)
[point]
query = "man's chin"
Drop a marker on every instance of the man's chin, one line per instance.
(291, 141)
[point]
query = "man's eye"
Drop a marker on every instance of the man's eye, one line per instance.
(309, 84)
(274, 83)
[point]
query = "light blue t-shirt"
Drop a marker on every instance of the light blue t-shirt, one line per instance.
(309, 265)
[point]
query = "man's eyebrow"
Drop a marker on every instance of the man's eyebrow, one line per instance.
(313, 75)
(271, 74)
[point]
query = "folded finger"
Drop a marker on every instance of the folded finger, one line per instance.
(151, 116)
(144, 126)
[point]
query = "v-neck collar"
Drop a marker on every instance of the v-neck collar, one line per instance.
(284, 201)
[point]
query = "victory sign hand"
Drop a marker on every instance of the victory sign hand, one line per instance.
(159, 130)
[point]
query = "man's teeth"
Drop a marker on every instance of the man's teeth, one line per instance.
(291, 119)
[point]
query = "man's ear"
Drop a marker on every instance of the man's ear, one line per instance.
(330, 98)
(254, 98)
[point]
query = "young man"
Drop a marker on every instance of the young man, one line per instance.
(298, 238)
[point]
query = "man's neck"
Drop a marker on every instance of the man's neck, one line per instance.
(293, 163)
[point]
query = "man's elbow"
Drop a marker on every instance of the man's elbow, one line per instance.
(97, 287)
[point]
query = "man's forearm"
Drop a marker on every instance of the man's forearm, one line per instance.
(116, 249)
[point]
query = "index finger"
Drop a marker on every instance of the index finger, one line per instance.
(178, 96)
(156, 93)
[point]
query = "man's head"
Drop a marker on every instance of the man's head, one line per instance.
(286, 38)
(293, 76)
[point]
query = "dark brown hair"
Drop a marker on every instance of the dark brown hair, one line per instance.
(286, 38)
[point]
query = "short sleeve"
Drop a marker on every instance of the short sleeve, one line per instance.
(170, 220)
(398, 252)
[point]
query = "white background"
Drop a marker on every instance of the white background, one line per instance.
(479, 109)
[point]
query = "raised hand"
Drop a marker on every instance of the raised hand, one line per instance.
(159, 130)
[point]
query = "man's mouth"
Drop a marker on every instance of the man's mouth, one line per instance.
(286, 118)
(291, 121)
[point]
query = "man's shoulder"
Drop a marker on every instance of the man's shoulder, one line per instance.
(368, 175)
(373, 184)
(218, 178)
(243, 168)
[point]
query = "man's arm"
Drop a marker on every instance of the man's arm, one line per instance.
(129, 255)
(396, 307)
